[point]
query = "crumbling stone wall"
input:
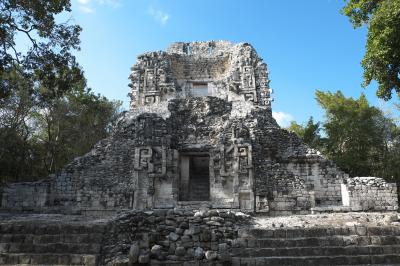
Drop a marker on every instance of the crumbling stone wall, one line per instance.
(26, 195)
(369, 193)
(173, 236)
(100, 180)
(291, 177)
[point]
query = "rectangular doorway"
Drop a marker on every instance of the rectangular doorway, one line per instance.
(195, 178)
(199, 89)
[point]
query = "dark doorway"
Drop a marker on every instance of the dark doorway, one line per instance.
(195, 178)
(200, 89)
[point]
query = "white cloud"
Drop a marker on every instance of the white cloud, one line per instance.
(282, 118)
(159, 15)
(86, 9)
(111, 3)
(88, 6)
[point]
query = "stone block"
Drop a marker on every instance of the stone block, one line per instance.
(211, 255)
(173, 236)
(235, 261)
(180, 251)
(89, 260)
(134, 252)
(4, 247)
(199, 253)
(361, 230)
(144, 258)
(24, 259)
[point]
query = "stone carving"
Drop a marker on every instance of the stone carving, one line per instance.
(227, 157)
(153, 162)
(263, 85)
(157, 76)
(248, 84)
(143, 159)
(151, 159)
(149, 80)
(245, 165)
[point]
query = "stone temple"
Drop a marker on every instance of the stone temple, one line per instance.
(200, 132)
(192, 174)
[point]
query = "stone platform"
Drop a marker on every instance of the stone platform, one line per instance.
(209, 237)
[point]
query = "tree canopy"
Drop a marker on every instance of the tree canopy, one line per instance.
(48, 116)
(309, 133)
(48, 62)
(359, 137)
(381, 61)
(38, 140)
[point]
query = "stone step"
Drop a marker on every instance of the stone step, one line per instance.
(61, 248)
(324, 241)
(194, 205)
(322, 232)
(317, 251)
(387, 259)
(54, 238)
(199, 189)
(199, 194)
(50, 229)
(200, 186)
(49, 259)
(199, 197)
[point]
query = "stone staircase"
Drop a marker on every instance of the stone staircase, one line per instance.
(319, 246)
(199, 189)
(50, 243)
(45, 239)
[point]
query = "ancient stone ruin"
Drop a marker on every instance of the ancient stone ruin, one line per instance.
(200, 131)
(174, 184)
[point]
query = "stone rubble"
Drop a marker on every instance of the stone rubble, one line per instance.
(173, 236)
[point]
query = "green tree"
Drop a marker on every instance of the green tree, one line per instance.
(48, 61)
(72, 125)
(296, 128)
(47, 114)
(360, 138)
(17, 156)
(381, 61)
(309, 133)
(36, 140)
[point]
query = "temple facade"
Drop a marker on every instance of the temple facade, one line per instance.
(200, 132)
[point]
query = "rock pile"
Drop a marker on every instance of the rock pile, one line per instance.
(173, 236)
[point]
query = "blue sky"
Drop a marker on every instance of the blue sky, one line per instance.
(308, 44)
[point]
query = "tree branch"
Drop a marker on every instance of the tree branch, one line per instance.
(27, 34)
(15, 52)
